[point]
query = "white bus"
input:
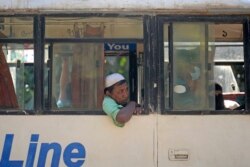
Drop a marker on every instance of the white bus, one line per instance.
(174, 55)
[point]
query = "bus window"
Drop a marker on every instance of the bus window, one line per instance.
(20, 58)
(78, 67)
(101, 27)
(122, 58)
(17, 59)
(17, 27)
(202, 56)
(77, 75)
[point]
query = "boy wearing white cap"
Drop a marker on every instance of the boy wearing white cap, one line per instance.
(115, 103)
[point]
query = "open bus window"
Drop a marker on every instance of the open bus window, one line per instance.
(79, 69)
(232, 83)
(126, 59)
(202, 55)
(76, 75)
(229, 73)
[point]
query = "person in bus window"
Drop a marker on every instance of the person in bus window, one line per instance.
(219, 99)
(186, 81)
(221, 103)
(116, 103)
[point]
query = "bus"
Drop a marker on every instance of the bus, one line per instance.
(186, 63)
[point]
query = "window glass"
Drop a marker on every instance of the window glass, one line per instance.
(192, 78)
(208, 67)
(77, 75)
(228, 52)
(16, 27)
(16, 64)
(77, 69)
(102, 27)
(17, 90)
(227, 33)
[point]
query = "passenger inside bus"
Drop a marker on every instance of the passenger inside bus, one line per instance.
(186, 80)
(219, 99)
(115, 103)
(8, 97)
(241, 101)
(225, 104)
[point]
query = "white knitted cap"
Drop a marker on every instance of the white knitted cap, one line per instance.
(113, 79)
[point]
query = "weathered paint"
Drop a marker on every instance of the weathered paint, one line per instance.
(105, 143)
(128, 5)
(144, 142)
(221, 141)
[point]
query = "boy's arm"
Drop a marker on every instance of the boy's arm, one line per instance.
(126, 112)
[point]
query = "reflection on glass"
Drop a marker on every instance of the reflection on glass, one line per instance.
(227, 32)
(229, 53)
(77, 76)
(16, 27)
(191, 83)
(79, 27)
(20, 91)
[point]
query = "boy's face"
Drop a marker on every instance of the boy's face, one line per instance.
(120, 93)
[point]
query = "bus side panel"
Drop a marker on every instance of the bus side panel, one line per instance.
(195, 141)
(104, 143)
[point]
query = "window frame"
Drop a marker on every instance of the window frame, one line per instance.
(39, 42)
(166, 19)
(90, 40)
(20, 41)
(153, 56)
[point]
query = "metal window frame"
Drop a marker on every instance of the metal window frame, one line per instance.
(89, 40)
(18, 41)
(169, 19)
(153, 56)
(39, 42)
